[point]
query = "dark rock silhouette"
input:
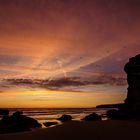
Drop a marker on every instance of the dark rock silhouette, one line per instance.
(110, 105)
(4, 112)
(130, 109)
(48, 124)
(132, 68)
(92, 117)
(118, 115)
(65, 118)
(112, 113)
(17, 122)
(18, 113)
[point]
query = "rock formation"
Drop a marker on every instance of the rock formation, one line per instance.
(92, 117)
(64, 118)
(4, 112)
(17, 123)
(132, 68)
(130, 109)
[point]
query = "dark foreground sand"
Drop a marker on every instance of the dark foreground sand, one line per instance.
(102, 130)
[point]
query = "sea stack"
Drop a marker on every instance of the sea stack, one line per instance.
(132, 68)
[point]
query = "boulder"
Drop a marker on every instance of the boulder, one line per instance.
(17, 113)
(118, 115)
(4, 112)
(17, 122)
(92, 117)
(65, 118)
(112, 114)
(23, 120)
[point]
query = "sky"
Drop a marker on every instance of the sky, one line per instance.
(66, 53)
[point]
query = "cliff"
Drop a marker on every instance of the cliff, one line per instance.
(132, 68)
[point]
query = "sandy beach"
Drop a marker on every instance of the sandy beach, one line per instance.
(98, 130)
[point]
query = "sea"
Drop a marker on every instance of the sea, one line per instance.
(43, 115)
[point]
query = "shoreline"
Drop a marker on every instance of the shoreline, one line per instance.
(97, 130)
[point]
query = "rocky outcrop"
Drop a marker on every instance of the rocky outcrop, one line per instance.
(4, 112)
(118, 115)
(64, 118)
(132, 68)
(130, 109)
(92, 117)
(17, 123)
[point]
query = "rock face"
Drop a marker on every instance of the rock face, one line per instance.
(132, 68)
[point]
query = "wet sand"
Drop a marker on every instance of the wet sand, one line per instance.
(98, 130)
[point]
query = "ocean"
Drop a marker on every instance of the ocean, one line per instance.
(51, 114)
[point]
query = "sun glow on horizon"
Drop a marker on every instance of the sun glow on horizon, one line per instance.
(55, 99)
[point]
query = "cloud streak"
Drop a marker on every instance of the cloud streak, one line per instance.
(66, 44)
(66, 84)
(40, 43)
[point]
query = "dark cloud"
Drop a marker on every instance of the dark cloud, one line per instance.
(71, 82)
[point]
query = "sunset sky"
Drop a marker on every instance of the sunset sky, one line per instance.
(66, 53)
